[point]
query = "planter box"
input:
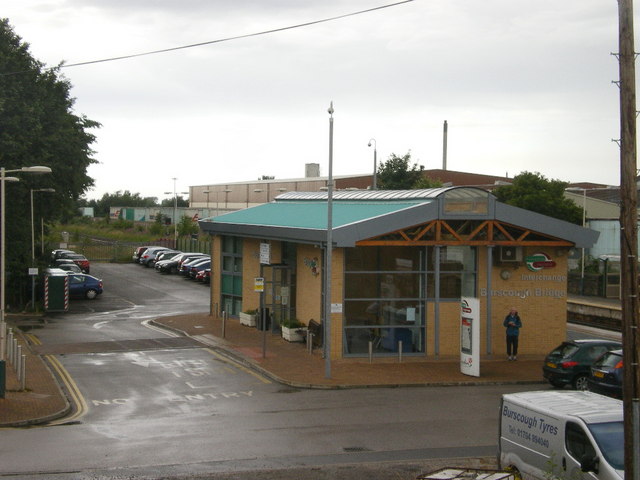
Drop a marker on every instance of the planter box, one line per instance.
(296, 334)
(247, 319)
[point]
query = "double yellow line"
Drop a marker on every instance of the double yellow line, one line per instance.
(79, 405)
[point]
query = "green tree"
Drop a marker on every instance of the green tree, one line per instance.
(397, 174)
(118, 199)
(533, 191)
(37, 127)
(186, 226)
(180, 202)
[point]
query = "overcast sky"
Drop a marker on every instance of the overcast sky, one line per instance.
(523, 85)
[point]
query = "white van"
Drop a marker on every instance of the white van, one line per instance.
(566, 435)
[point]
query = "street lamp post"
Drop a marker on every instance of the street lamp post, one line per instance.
(375, 163)
(328, 254)
(175, 212)
(3, 179)
(33, 247)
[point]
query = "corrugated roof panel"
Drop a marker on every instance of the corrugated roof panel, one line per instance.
(384, 195)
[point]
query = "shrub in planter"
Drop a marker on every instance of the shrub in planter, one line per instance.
(248, 318)
(293, 330)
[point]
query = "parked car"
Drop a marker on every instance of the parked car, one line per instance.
(197, 267)
(185, 267)
(76, 258)
(70, 267)
(204, 276)
(166, 255)
(148, 257)
(87, 286)
(173, 265)
(55, 254)
(137, 252)
(606, 375)
(570, 362)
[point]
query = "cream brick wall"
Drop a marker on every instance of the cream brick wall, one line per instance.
(309, 284)
(216, 262)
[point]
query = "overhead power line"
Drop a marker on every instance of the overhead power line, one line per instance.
(227, 39)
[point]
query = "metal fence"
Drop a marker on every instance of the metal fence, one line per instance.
(101, 250)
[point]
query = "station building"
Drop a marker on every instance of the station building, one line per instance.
(401, 262)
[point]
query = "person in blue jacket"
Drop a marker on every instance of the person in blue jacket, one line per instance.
(513, 324)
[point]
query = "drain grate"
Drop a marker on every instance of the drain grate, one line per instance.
(355, 449)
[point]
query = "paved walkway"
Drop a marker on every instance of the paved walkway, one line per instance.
(289, 363)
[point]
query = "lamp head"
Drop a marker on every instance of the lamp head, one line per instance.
(36, 169)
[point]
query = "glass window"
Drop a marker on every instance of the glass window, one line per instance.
(610, 438)
(231, 275)
(386, 289)
(383, 308)
(578, 444)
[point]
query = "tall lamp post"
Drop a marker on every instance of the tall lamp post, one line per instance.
(328, 254)
(175, 212)
(33, 247)
(3, 179)
(33, 242)
(375, 163)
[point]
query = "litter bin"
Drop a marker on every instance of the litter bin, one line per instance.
(263, 322)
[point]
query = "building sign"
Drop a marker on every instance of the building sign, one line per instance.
(538, 261)
(470, 336)
(265, 254)
(258, 284)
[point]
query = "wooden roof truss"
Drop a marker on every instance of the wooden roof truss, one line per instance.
(465, 232)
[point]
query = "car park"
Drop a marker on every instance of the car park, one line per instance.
(148, 257)
(570, 362)
(87, 286)
(607, 374)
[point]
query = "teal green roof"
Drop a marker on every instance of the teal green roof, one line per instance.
(311, 215)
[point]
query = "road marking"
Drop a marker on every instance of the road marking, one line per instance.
(210, 396)
(74, 392)
(76, 397)
(115, 401)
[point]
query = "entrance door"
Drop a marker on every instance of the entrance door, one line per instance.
(279, 291)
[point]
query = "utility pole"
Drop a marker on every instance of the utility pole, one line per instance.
(629, 240)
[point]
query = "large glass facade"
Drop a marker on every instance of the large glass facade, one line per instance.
(231, 279)
(387, 288)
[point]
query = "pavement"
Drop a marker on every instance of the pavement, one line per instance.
(45, 397)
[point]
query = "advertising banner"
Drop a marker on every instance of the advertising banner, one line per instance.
(470, 336)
